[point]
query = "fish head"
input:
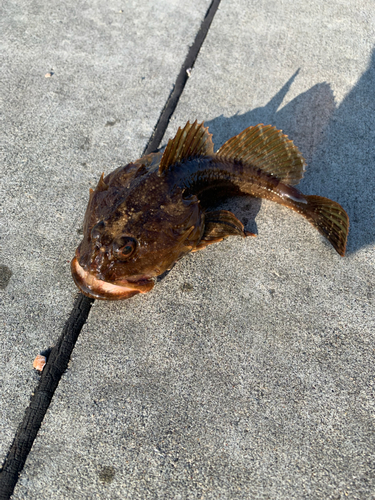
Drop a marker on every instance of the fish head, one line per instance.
(136, 227)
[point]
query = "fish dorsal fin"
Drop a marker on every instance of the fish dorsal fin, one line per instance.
(193, 140)
(266, 148)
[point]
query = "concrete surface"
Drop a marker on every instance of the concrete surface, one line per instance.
(112, 73)
(248, 372)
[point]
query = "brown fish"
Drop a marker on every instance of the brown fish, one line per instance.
(145, 216)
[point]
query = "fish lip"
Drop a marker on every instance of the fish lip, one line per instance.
(99, 289)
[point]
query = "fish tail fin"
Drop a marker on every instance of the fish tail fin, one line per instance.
(329, 218)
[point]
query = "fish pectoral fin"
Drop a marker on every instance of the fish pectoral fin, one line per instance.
(268, 149)
(219, 225)
(193, 140)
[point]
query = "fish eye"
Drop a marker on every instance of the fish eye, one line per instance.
(124, 247)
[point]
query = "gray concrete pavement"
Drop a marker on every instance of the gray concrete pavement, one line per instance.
(113, 69)
(248, 372)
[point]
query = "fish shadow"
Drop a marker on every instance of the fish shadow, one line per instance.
(338, 143)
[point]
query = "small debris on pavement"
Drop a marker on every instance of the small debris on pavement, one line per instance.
(39, 362)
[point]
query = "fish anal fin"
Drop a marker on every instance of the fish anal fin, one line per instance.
(268, 149)
(220, 224)
(191, 141)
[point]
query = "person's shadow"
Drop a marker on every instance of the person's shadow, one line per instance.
(338, 144)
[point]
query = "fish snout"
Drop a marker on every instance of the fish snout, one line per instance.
(94, 261)
(97, 288)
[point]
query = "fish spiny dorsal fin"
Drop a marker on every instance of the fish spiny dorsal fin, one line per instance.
(102, 186)
(193, 140)
(267, 148)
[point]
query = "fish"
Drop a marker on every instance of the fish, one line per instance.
(145, 216)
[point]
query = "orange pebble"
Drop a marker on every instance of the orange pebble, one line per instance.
(39, 362)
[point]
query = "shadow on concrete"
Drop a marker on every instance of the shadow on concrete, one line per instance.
(343, 165)
(337, 142)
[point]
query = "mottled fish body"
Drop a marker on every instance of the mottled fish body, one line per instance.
(145, 216)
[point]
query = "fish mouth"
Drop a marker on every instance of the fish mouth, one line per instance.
(99, 289)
